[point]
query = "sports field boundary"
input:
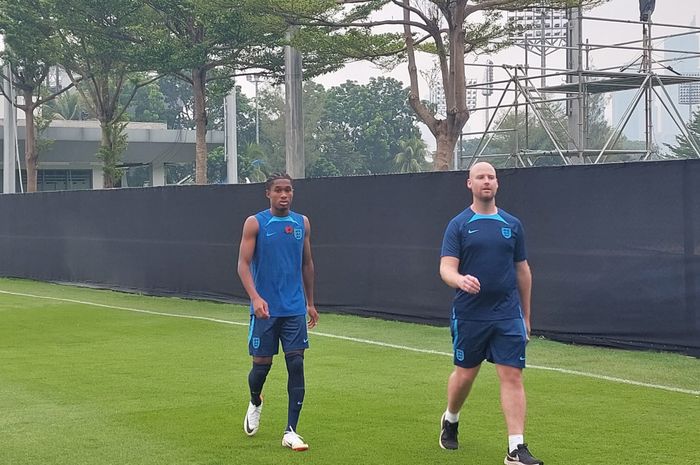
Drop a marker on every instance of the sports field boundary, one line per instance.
(356, 340)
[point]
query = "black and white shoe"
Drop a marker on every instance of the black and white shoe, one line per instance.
(521, 456)
(448, 434)
(251, 422)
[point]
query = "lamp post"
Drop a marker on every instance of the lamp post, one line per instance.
(10, 157)
(487, 90)
(255, 79)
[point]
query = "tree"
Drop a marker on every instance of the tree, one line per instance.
(352, 129)
(215, 41)
(521, 139)
(684, 149)
(272, 124)
(31, 52)
(177, 95)
(445, 29)
(374, 118)
(535, 138)
(245, 119)
(411, 158)
(598, 129)
(147, 104)
(107, 50)
(322, 168)
(272, 128)
(216, 166)
(341, 153)
(67, 106)
(251, 166)
(177, 100)
(114, 142)
(314, 103)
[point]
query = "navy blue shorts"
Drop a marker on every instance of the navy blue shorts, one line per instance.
(501, 342)
(264, 336)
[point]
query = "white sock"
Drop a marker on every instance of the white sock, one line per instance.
(451, 417)
(514, 440)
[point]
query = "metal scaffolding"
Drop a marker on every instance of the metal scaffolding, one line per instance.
(525, 90)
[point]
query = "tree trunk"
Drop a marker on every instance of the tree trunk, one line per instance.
(30, 153)
(446, 131)
(444, 152)
(200, 118)
(105, 143)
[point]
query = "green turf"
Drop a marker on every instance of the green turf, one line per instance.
(81, 384)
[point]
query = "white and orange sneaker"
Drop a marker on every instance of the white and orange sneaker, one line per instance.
(295, 442)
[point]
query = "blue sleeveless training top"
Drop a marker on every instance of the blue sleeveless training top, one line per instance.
(277, 261)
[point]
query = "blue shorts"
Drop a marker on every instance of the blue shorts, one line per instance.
(264, 336)
(500, 341)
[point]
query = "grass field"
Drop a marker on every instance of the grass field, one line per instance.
(91, 377)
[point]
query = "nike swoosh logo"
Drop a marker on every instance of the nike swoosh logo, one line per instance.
(472, 231)
(268, 234)
(305, 341)
(248, 429)
(522, 359)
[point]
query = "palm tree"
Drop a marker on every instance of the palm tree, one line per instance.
(66, 106)
(411, 158)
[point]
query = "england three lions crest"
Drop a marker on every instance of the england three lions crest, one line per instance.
(507, 233)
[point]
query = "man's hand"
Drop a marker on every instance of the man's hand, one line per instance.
(469, 284)
(260, 308)
(313, 316)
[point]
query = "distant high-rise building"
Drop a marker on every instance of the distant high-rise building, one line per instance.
(634, 130)
(471, 93)
(437, 96)
(683, 63)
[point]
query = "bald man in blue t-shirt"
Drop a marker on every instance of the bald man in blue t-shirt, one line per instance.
(483, 257)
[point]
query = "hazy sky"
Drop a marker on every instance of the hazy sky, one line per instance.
(680, 12)
(667, 11)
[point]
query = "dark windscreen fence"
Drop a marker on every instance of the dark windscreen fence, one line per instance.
(613, 248)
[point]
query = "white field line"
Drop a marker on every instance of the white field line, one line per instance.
(361, 341)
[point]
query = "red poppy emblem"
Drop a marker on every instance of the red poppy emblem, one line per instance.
(288, 229)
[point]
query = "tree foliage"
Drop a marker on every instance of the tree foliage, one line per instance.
(531, 139)
(374, 118)
(683, 147)
(412, 157)
(32, 49)
(348, 130)
(447, 29)
(323, 168)
(213, 41)
(67, 106)
(110, 152)
(104, 44)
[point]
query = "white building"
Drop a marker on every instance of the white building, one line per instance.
(70, 161)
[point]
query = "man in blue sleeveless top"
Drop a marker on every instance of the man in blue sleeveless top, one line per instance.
(277, 272)
(483, 257)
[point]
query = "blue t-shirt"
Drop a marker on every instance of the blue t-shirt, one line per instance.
(277, 262)
(487, 246)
